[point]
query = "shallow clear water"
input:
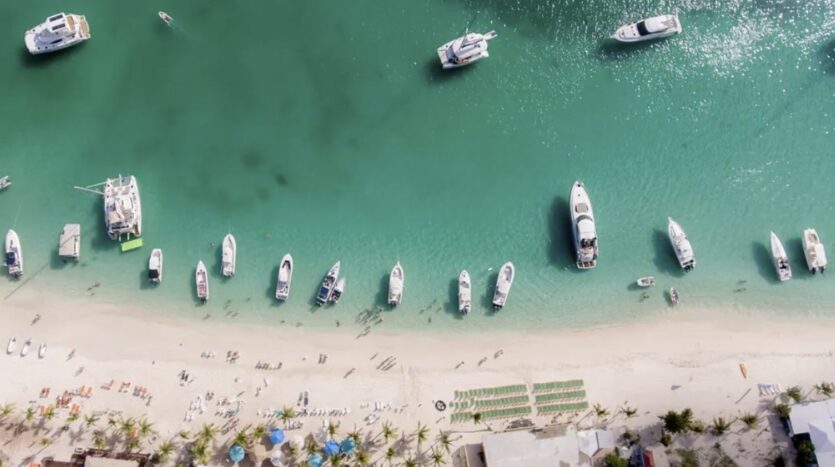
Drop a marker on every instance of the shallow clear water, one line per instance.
(326, 129)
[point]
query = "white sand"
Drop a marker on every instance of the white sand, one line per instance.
(639, 363)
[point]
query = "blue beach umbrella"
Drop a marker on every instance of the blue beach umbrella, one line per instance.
(347, 447)
(276, 436)
(236, 453)
(331, 448)
(315, 460)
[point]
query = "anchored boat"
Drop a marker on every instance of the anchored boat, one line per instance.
(57, 32)
(396, 285)
(327, 285)
(647, 281)
(69, 243)
(155, 266)
(681, 245)
(648, 29)
(465, 293)
(122, 206)
(11, 346)
(229, 256)
(814, 251)
(42, 351)
(14, 254)
(285, 277)
(674, 296)
(503, 284)
(780, 259)
(338, 290)
(165, 17)
(25, 350)
(585, 232)
(5, 182)
(465, 50)
(201, 279)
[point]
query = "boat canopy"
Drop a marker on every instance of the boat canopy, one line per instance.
(654, 25)
(10, 258)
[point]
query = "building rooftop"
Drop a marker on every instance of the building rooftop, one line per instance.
(563, 446)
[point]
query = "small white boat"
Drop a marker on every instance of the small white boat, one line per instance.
(285, 277)
(585, 232)
(69, 243)
(165, 17)
(155, 266)
(338, 290)
(229, 256)
(396, 280)
(5, 182)
(25, 350)
(201, 279)
(14, 254)
(814, 251)
(465, 293)
(11, 346)
(646, 281)
(465, 50)
(57, 32)
(673, 296)
(781, 260)
(681, 245)
(503, 284)
(648, 29)
(42, 351)
(327, 285)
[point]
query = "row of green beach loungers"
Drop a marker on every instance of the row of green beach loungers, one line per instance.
(492, 414)
(482, 403)
(558, 386)
(491, 392)
(559, 397)
(550, 409)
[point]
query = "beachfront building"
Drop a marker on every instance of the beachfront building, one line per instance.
(101, 458)
(817, 421)
(553, 446)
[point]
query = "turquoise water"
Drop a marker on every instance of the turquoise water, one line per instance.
(326, 129)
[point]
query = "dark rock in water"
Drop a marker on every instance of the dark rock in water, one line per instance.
(280, 180)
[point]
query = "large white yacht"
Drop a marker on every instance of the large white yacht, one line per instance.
(582, 221)
(814, 251)
(285, 277)
(648, 29)
(14, 254)
(781, 260)
(465, 293)
(57, 32)
(465, 50)
(229, 255)
(122, 206)
(503, 284)
(681, 245)
(396, 281)
(328, 283)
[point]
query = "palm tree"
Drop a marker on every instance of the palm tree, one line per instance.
(444, 441)
(332, 428)
(133, 444)
(750, 420)
(823, 388)
(720, 426)
(6, 410)
(311, 447)
(90, 420)
(99, 442)
(259, 432)
(73, 417)
(183, 435)
(390, 454)
(127, 426)
(782, 410)
(422, 433)
(242, 438)
(201, 452)
(49, 414)
(628, 411)
(600, 411)
(292, 451)
(164, 451)
(410, 463)
(287, 414)
(362, 458)
(795, 394)
(437, 458)
(388, 431)
(30, 414)
(146, 428)
(207, 434)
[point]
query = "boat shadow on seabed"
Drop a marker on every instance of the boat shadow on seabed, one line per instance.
(42, 60)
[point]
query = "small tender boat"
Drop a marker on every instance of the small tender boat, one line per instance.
(155, 266)
(681, 245)
(327, 285)
(201, 279)
(229, 256)
(396, 285)
(69, 243)
(57, 32)
(165, 17)
(5, 182)
(585, 233)
(646, 281)
(465, 293)
(781, 260)
(465, 50)
(285, 277)
(648, 29)
(503, 284)
(673, 296)
(11, 346)
(42, 351)
(814, 251)
(338, 290)
(14, 254)
(25, 350)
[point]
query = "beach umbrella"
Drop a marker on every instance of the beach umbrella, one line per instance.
(331, 448)
(236, 453)
(277, 458)
(347, 447)
(276, 436)
(315, 460)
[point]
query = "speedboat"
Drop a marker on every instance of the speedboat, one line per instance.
(201, 280)
(781, 260)
(11, 346)
(673, 296)
(813, 249)
(14, 254)
(155, 266)
(229, 256)
(69, 243)
(582, 221)
(465, 293)
(165, 17)
(681, 245)
(338, 290)
(465, 50)
(396, 285)
(285, 277)
(57, 32)
(503, 284)
(5, 182)
(648, 29)
(25, 350)
(327, 285)
(42, 351)
(647, 281)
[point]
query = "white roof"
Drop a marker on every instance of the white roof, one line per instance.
(106, 462)
(592, 441)
(822, 433)
(526, 449)
(803, 414)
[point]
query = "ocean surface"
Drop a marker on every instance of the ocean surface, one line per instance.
(327, 129)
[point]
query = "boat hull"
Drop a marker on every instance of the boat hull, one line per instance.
(629, 33)
(396, 281)
(328, 284)
(503, 284)
(201, 279)
(465, 293)
(229, 256)
(13, 259)
(155, 266)
(285, 278)
(780, 259)
(583, 226)
(82, 34)
(681, 245)
(814, 251)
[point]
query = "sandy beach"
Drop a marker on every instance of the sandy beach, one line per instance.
(675, 362)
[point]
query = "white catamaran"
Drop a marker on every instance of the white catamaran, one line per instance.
(155, 266)
(465, 50)
(14, 254)
(328, 283)
(780, 259)
(585, 232)
(503, 284)
(396, 280)
(201, 280)
(681, 245)
(285, 277)
(814, 251)
(122, 206)
(229, 256)
(57, 32)
(465, 293)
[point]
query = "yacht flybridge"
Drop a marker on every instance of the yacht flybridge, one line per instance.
(648, 29)
(465, 50)
(57, 32)
(122, 206)
(681, 245)
(582, 221)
